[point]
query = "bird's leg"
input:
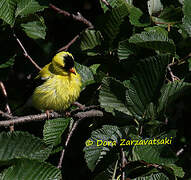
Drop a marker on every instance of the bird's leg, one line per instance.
(48, 113)
(68, 114)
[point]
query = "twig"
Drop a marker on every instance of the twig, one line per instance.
(77, 17)
(65, 48)
(107, 4)
(66, 143)
(123, 164)
(174, 78)
(179, 152)
(43, 116)
(25, 52)
(6, 115)
(80, 116)
(7, 108)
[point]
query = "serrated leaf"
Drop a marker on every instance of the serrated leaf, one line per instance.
(95, 152)
(112, 96)
(85, 73)
(144, 86)
(53, 130)
(156, 29)
(7, 11)
(22, 145)
(159, 152)
(153, 40)
(8, 63)
(174, 170)
(126, 49)
(35, 29)
(26, 7)
(110, 23)
(30, 170)
(90, 39)
(154, 176)
(112, 3)
(170, 92)
(136, 17)
(187, 16)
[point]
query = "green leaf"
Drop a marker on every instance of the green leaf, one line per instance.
(35, 29)
(30, 170)
(109, 24)
(7, 11)
(8, 63)
(90, 39)
(113, 4)
(187, 16)
(159, 152)
(170, 92)
(174, 170)
(26, 7)
(102, 140)
(144, 86)
(53, 130)
(22, 145)
(154, 176)
(126, 49)
(137, 18)
(153, 40)
(157, 29)
(112, 96)
(85, 73)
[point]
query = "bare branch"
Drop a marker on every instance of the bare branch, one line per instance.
(25, 52)
(7, 108)
(107, 4)
(174, 78)
(123, 163)
(65, 48)
(77, 17)
(43, 116)
(6, 115)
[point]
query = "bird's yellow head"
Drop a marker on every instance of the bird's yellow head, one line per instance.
(63, 63)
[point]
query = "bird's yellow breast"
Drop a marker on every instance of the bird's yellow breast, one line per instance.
(57, 93)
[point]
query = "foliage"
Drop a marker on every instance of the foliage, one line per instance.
(135, 65)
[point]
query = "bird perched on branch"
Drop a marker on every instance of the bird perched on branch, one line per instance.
(61, 84)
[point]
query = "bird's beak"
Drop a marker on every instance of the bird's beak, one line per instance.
(72, 70)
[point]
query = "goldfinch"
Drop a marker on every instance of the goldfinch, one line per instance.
(61, 86)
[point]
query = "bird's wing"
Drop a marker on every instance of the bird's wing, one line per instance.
(45, 73)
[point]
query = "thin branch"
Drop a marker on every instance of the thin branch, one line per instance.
(65, 48)
(77, 17)
(107, 4)
(6, 115)
(179, 152)
(7, 108)
(174, 78)
(123, 163)
(80, 116)
(25, 52)
(43, 116)
(66, 143)
(29, 118)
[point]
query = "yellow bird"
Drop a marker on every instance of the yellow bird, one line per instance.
(61, 86)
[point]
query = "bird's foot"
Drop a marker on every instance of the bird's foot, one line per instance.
(48, 113)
